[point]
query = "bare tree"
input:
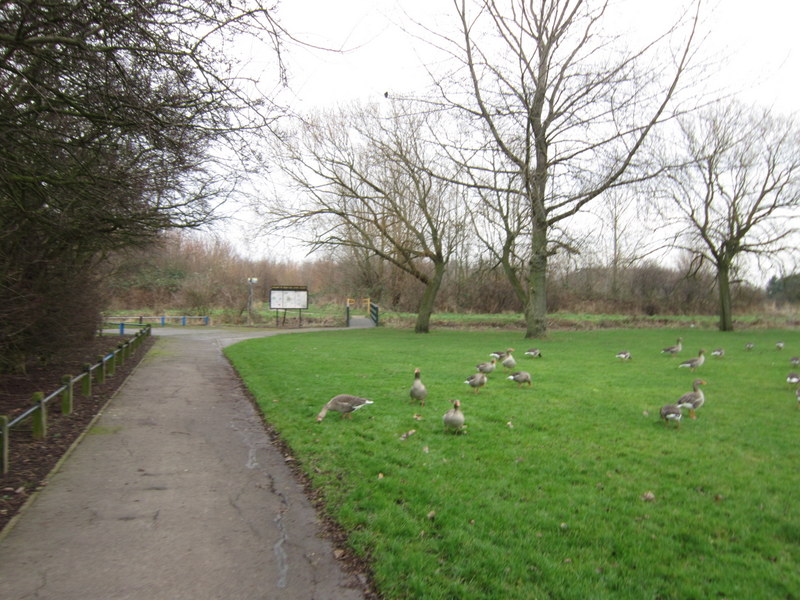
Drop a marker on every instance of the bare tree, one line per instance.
(363, 184)
(739, 191)
(560, 113)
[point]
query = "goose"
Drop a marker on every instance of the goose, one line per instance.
(533, 353)
(674, 349)
(453, 419)
(487, 367)
(795, 361)
(477, 381)
(671, 412)
(418, 391)
(797, 393)
(779, 346)
(508, 361)
(718, 352)
(343, 403)
(498, 354)
(694, 399)
(521, 377)
(624, 355)
(749, 346)
(793, 378)
(695, 362)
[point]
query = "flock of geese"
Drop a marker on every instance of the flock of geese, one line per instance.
(695, 399)
(453, 419)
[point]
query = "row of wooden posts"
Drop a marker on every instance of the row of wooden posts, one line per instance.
(37, 413)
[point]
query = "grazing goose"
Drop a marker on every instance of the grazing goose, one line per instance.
(749, 346)
(624, 355)
(694, 399)
(695, 362)
(674, 349)
(521, 377)
(533, 353)
(453, 419)
(487, 367)
(719, 352)
(418, 391)
(508, 361)
(795, 361)
(779, 346)
(343, 403)
(477, 381)
(793, 378)
(671, 412)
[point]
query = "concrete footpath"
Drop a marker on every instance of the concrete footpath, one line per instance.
(176, 493)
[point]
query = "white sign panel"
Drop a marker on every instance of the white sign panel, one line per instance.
(288, 297)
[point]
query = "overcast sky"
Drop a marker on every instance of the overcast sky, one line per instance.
(755, 39)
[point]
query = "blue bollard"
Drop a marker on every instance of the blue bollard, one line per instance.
(122, 328)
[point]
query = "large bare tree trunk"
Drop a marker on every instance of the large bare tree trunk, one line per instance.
(428, 298)
(536, 308)
(725, 305)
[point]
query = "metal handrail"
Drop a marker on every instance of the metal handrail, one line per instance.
(6, 428)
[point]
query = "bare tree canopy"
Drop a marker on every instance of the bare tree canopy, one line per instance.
(362, 181)
(739, 190)
(557, 113)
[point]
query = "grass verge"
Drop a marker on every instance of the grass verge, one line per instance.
(572, 488)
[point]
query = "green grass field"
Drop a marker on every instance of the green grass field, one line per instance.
(545, 495)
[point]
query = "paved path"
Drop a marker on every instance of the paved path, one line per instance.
(177, 493)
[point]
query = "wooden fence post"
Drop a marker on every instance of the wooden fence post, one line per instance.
(39, 417)
(66, 397)
(86, 382)
(4, 444)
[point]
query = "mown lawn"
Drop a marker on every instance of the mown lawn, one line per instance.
(545, 496)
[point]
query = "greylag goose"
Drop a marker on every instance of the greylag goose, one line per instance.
(695, 362)
(533, 353)
(694, 399)
(671, 412)
(487, 367)
(498, 354)
(624, 355)
(793, 378)
(343, 403)
(795, 361)
(718, 352)
(418, 391)
(476, 381)
(674, 349)
(797, 393)
(453, 419)
(749, 346)
(508, 361)
(521, 377)
(779, 346)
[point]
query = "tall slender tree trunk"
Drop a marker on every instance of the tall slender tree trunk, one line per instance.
(425, 310)
(536, 307)
(725, 305)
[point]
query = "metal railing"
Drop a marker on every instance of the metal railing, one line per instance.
(162, 320)
(37, 413)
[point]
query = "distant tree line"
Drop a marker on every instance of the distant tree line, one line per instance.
(196, 274)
